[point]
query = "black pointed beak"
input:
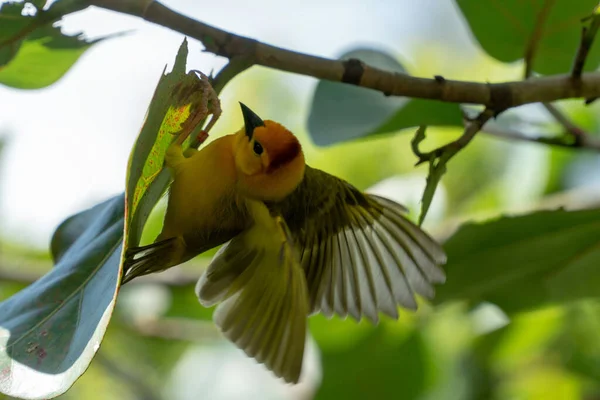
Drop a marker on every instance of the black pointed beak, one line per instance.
(251, 120)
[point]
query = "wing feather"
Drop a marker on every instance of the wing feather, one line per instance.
(359, 252)
(261, 288)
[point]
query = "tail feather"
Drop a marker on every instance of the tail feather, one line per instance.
(152, 258)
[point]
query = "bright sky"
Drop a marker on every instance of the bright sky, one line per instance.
(69, 143)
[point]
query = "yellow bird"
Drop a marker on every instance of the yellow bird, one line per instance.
(297, 241)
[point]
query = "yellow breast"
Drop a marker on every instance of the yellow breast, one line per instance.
(203, 191)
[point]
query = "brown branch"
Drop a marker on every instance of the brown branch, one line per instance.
(497, 96)
(235, 66)
(439, 157)
(450, 149)
(536, 36)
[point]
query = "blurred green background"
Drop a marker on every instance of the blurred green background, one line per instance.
(64, 148)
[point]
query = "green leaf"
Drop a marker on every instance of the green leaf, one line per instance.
(39, 4)
(176, 100)
(43, 58)
(341, 112)
(69, 231)
(578, 347)
(33, 53)
(184, 304)
(526, 261)
(505, 30)
(379, 366)
(11, 22)
(52, 329)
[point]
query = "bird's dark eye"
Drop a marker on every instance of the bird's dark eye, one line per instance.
(258, 149)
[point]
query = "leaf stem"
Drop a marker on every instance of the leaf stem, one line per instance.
(588, 34)
(536, 36)
(439, 157)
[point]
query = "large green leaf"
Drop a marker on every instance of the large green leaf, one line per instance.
(505, 29)
(33, 53)
(51, 330)
(381, 365)
(11, 22)
(526, 261)
(341, 112)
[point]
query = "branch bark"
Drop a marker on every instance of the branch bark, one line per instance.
(496, 96)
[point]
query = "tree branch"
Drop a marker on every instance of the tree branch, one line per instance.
(439, 157)
(471, 129)
(591, 143)
(496, 96)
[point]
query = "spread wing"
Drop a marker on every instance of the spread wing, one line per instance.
(360, 254)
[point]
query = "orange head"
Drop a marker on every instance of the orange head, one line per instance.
(268, 158)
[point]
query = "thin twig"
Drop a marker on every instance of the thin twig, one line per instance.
(471, 129)
(536, 36)
(235, 66)
(439, 157)
(229, 45)
(184, 329)
(552, 141)
(562, 119)
(580, 137)
(577, 133)
(140, 387)
(588, 34)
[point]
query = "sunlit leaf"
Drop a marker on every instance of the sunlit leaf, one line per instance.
(51, 330)
(341, 112)
(33, 53)
(11, 22)
(526, 261)
(506, 30)
(176, 100)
